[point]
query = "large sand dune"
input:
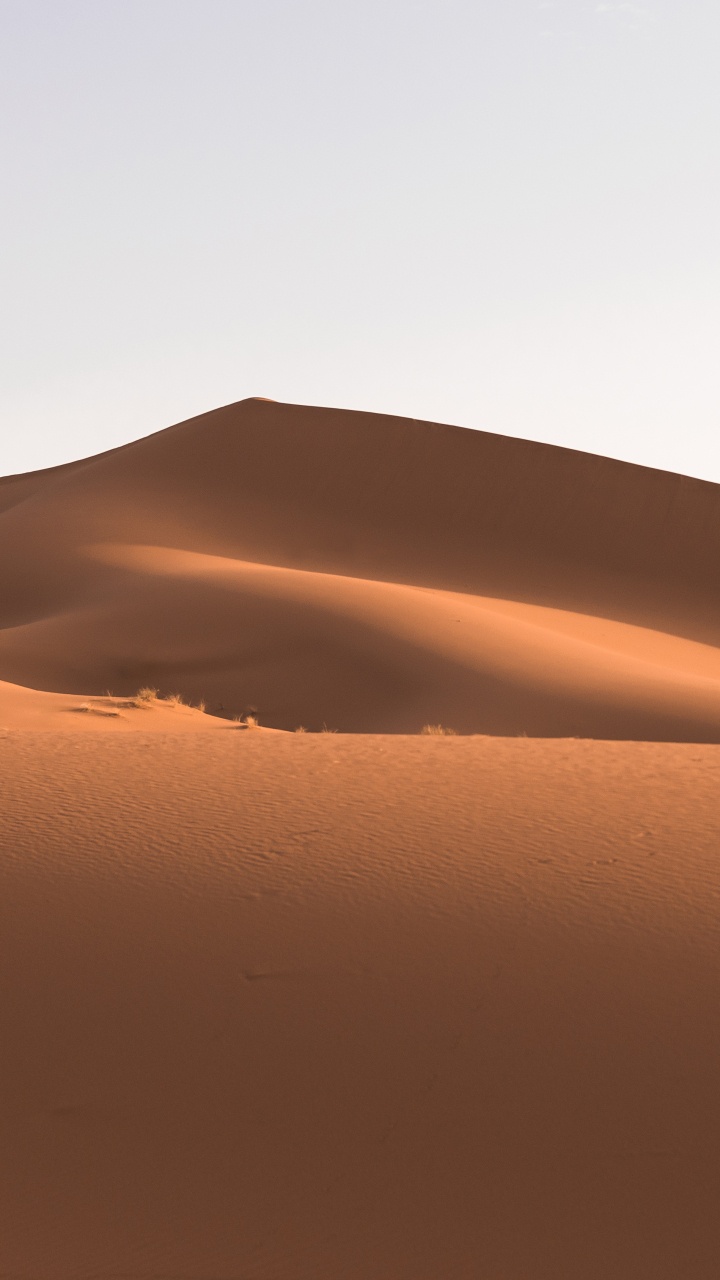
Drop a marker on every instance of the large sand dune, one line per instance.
(358, 1006)
(372, 574)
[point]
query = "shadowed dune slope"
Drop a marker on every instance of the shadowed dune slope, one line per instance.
(371, 573)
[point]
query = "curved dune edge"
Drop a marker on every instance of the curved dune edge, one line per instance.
(550, 649)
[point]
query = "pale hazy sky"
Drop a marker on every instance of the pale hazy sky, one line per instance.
(498, 213)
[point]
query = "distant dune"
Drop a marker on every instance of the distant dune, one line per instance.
(372, 574)
(374, 1004)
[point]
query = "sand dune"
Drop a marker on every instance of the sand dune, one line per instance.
(368, 1006)
(371, 574)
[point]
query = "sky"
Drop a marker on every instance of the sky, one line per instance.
(501, 214)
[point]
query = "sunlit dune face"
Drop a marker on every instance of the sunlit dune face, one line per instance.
(538, 648)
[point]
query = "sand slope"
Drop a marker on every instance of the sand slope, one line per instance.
(303, 1008)
(22, 708)
(372, 574)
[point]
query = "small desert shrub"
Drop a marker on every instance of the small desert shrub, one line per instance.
(301, 729)
(438, 730)
(202, 705)
(174, 699)
(251, 722)
(145, 695)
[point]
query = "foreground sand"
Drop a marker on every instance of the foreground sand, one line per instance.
(295, 1007)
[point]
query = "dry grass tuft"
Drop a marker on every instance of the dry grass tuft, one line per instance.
(301, 729)
(177, 700)
(438, 730)
(246, 722)
(145, 696)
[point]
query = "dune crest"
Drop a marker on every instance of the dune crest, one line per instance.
(22, 708)
(371, 573)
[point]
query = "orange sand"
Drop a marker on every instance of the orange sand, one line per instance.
(358, 1006)
(327, 1006)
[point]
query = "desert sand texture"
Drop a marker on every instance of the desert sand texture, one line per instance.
(279, 1007)
(370, 1004)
